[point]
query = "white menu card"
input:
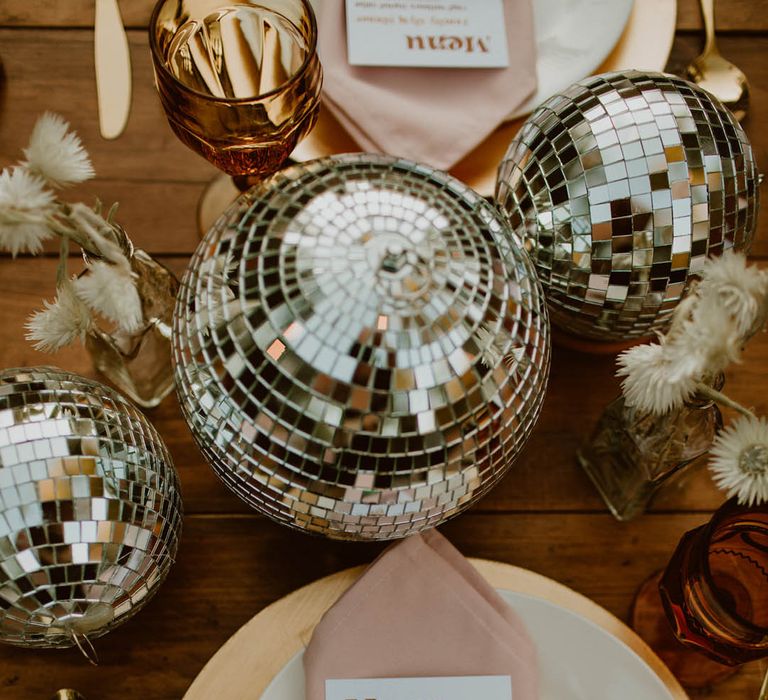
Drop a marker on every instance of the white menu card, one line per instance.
(447, 688)
(427, 33)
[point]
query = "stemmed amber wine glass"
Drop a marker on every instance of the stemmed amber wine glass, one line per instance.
(239, 82)
(709, 613)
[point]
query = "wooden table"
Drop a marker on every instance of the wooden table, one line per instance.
(544, 516)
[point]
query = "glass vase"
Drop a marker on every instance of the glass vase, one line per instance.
(707, 612)
(632, 453)
(139, 363)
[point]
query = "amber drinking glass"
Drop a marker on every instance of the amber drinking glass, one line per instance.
(239, 81)
(714, 592)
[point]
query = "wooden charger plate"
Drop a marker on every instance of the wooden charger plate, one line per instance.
(245, 666)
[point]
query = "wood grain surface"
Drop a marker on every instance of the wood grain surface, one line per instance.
(731, 15)
(544, 515)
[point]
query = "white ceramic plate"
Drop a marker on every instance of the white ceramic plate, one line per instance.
(573, 37)
(577, 659)
(585, 652)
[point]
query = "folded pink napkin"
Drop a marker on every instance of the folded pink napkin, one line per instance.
(432, 115)
(421, 610)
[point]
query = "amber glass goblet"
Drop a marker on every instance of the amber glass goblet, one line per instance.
(239, 83)
(714, 594)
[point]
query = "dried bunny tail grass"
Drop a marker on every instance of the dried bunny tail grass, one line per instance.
(741, 288)
(60, 322)
(56, 153)
(653, 382)
(111, 291)
(25, 208)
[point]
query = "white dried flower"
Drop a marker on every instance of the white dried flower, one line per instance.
(739, 460)
(56, 153)
(703, 342)
(742, 289)
(25, 205)
(655, 381)
(59, 323)
(682, 315)
(110, 290)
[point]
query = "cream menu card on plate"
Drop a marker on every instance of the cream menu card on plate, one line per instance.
(447, 688)
(433, 34)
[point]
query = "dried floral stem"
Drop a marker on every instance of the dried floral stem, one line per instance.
(717, 396)
(89, 232)
(112, 213)
(61, 269)
(63, 230)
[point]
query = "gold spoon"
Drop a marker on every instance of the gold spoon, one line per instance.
(716, 75)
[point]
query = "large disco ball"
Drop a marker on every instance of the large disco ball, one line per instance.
(361, 347)
(90, 511)
(621, 187)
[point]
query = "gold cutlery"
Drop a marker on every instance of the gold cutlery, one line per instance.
(113, 69)
(717, 75)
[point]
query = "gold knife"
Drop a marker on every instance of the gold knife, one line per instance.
(113, 69)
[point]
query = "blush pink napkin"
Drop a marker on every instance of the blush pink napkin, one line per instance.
(421, 610)
(431, 115)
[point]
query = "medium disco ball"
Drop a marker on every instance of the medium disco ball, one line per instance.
(621, 187)
(90, 511)
(361, 347)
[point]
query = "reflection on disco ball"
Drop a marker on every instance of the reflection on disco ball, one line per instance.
(90, 510)
(621, 187)
(361, 347)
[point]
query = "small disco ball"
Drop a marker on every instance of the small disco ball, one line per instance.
(621, 187)
(361, 347)
(90, 511)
